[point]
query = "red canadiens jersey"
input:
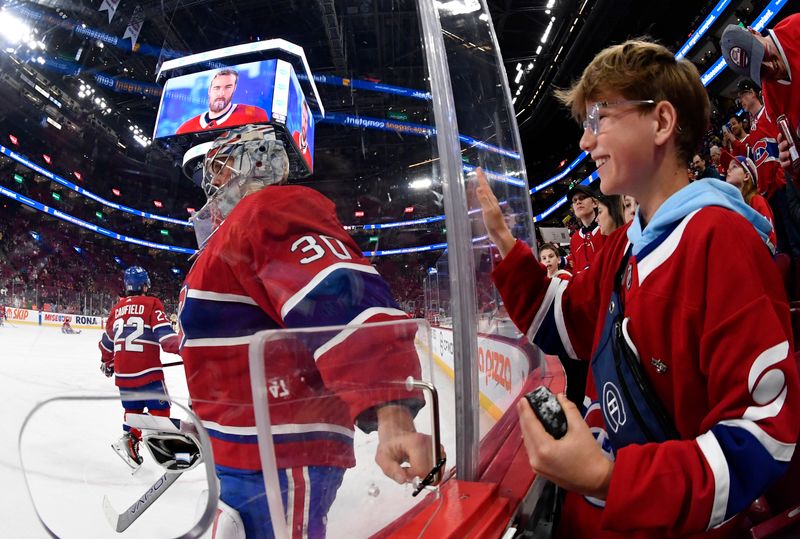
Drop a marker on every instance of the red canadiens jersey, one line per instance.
(761, 205)
(135, 329)
(583, 247)
(282, 260)
(781, 96)
(236, 116)
(709, 322)
(761, 145)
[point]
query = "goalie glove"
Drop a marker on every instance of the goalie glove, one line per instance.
(107, 368)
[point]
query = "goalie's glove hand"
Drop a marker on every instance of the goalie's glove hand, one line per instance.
(107, 368)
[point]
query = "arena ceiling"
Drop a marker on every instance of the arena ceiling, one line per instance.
(104, 136)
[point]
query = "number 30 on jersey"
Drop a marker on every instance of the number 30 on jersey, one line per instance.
(314, 250)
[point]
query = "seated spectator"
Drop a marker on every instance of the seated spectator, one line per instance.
(630, 205)
(715, 153)
(743, 174)
(703, 170)
(587, 240)
(551, 255)
(610, 213)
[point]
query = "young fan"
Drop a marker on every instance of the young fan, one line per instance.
(690, 415)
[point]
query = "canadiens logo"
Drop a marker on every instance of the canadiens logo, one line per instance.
(739, 57)
(613, 407)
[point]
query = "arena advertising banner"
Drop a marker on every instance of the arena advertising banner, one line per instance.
(45, 318)
(502, 368)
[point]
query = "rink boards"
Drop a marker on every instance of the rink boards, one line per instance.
(46, 318)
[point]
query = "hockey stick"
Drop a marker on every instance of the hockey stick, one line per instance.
(172, 364)
(121, 521)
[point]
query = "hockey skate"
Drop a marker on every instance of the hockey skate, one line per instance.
(127, 447)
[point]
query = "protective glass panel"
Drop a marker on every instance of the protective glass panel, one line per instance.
(489, 139)
(342, 416)
(84, 482)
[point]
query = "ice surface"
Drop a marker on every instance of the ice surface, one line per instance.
(71, 466)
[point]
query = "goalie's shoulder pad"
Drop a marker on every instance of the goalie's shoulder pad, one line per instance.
(228, 523)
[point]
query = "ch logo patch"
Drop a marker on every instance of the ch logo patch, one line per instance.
(613, 407)
(739, 57)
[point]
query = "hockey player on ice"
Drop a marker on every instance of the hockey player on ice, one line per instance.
(136, 327)
(67, 328)
(275, 256)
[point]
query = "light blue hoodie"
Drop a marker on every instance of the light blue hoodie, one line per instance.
(696, 195)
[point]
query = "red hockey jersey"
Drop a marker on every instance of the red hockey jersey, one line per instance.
(783, 96)
(583, 246)
(761, 145)
(136, 327)
(709, 322)
(236, 116)
(761, 205)
(282, 260)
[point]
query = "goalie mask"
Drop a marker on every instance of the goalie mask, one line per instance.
(238, 163)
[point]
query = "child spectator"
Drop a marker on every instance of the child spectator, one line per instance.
(610, 213)
(550, 255)
(743, 174)
(690, 415)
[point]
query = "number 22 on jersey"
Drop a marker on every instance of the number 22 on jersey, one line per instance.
(128, 343)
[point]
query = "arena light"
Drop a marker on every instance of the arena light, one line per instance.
(14, 140)
(158, 204)
(77, 175)
(164, 232)
(359, 213)
(190, 210)
(409, 209)
(547, 30)
(55, 195)
(77, 249)
(18, 178)
(99, 214)
(422, 183)
(13, 29)
(47, 158)
(116, 192)
(176, 271)
(373, 239)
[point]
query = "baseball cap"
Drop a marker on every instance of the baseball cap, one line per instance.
(580, 188)
(749, 167)
(746, 85)
(742, 52)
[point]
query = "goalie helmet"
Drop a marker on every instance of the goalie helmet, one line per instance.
(250, 154)
(239, 162)
(135, 279)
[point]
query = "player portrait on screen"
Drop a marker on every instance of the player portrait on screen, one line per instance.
(301, 137)
(222, 111)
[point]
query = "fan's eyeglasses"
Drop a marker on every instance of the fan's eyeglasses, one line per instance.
(592, 121)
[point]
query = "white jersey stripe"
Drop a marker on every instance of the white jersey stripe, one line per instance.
(660, 254)
(140, 373)
(549, 296)
(318, 278)
(217, 296)
(780, 451)
(306, 502)
(716, 460)
(360, 319)
(561, 324)
(290, 490)
(289, 428)
(223, 341)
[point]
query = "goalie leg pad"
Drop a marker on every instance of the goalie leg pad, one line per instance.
(227, 524)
